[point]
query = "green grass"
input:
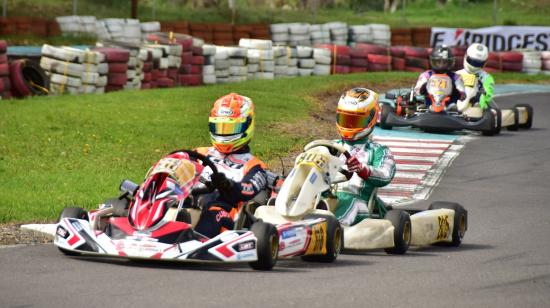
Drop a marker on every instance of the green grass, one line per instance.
(67, 150)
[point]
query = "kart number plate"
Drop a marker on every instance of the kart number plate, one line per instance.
(469, 80)
(183, 171)
(318, 160)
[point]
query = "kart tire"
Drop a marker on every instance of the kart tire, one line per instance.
(515, 126)
(402, 233)
(72, 212)
(334, 242)
(384, 113)
(496, 126)
(267, 246)
(529, 123)
(460, 220)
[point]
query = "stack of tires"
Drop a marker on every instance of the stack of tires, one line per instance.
(398, 62)
(545, 57)
(280, 60)
(338, 33)
(223, 34)
(416, 59)
(194, 78)
(323, 60)
(494, 63)
(279, 34)
(360, 34)
(340, 58)
(532, 61)
(319, 34)
(5, 84)
(298, 34)
(378, 57)
(381, 34)
(146, 57)
(209, 68)
(236, 63)
(221, 65)
(292, 61)
(511, 61)
(261, 59)
(359, 62)
(77, 25)
(148, 28)
(135, 70)
(306, 62)
(401, 37)
(74, 71)
(117, 61)
(421, 37)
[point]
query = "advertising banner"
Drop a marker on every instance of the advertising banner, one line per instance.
(499, 38)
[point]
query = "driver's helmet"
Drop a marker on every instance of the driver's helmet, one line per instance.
(442, 59)
(476, 57)
(356, 113)
(231, 122)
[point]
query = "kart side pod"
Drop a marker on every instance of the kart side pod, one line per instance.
(432, 226)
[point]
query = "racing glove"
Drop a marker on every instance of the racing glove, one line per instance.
(221, 182)
(354, 165)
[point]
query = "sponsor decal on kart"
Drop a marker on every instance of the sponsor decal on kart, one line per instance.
(444, 227)
(245, 246)
(288, 233)
(317, 244)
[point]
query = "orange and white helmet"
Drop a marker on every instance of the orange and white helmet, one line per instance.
(231, 122)
(356, 113)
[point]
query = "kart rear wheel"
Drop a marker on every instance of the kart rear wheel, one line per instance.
(334, 239)
(402, 233)
(529, 123)
(267, 246)
(386, 109)
(460, 222)
(72, 212)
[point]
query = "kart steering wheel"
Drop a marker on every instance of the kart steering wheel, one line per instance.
(334, 149)
(206, 161)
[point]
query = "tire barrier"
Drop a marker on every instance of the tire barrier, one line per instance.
(531, 62)
(545, 57)
(401, 36)
(117, 59)
(5, 84)
(28, 78)
(74, 70)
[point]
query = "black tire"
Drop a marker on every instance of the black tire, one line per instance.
(386, 109)
(72, 212)
(496, 123)
(402, 233)
(334, 241)
(460, 220)
(529, 123)
(267, 246)
(515, 126)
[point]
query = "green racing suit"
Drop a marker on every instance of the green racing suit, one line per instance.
(486, 88)
(354, 194)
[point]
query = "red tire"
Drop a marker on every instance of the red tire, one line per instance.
(156, 74)
(186, 57)
(372, 49)
(145, 85)
(147, 77)
(357, 69)
(147, 67)
(172, 73)
(165, 82)
(414, 69)
(3, 58)
(191, 80)
(117, 79)
(397, 64)
(512, 66)
(358, 53)
(114, 54)
(28, 78)
(340, 69)
(359, 62)
(186, 44)
(397, 51)
(379, 59)
(416, 52)
(491, 70)
(459, 51)
(5, 84)
(493, 56)
(338, 49)
(196, 70)
(118, 67)
(417, 62)
(112, 88)
(343, 60)
(377, 67)
(3, 46)
(4, 69)
(186, 69)
(511, 56)
(197, 51)
(493, 64)
(197, 60)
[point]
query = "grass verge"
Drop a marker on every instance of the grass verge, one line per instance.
(75, 150)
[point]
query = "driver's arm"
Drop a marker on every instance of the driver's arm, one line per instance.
(254, 181)
(420, 87)
(488, 84)
(382, 167)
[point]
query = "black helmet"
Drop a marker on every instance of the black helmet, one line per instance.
(442, 59)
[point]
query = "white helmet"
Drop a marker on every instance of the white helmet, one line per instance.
(476, 57)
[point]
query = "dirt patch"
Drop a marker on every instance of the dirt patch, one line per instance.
(11, 234)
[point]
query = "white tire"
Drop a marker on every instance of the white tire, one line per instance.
(256, 44)
(237, 61)
(209, 79)
(208, 70)
(238, 71)
(321, 70)
(65, 80)
(222, 73)
(208, 50)
(304, 52)
(306, 63)
(222, 64)
(305, 71)
(265, 75)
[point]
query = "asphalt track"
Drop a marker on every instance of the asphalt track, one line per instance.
(504, 260)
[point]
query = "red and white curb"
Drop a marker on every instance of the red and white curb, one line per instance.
(420, 164)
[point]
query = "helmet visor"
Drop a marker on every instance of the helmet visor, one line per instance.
(227, 126)
(474, 62)
(348, 120)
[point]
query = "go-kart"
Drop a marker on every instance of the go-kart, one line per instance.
(156, 221)
(310, 187)
(403, 108)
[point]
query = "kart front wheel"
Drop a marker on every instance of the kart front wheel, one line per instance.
(402, 233)
(334, 239)
(515, 126)
(267, 246)
(529, 122)
(460, 222)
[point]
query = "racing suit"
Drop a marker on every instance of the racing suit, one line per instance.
(354, 195)
(458, 91)
(485, 88)
(247, 176)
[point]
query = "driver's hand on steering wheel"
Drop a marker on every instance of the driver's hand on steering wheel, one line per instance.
(354, 165)
(221, 182)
